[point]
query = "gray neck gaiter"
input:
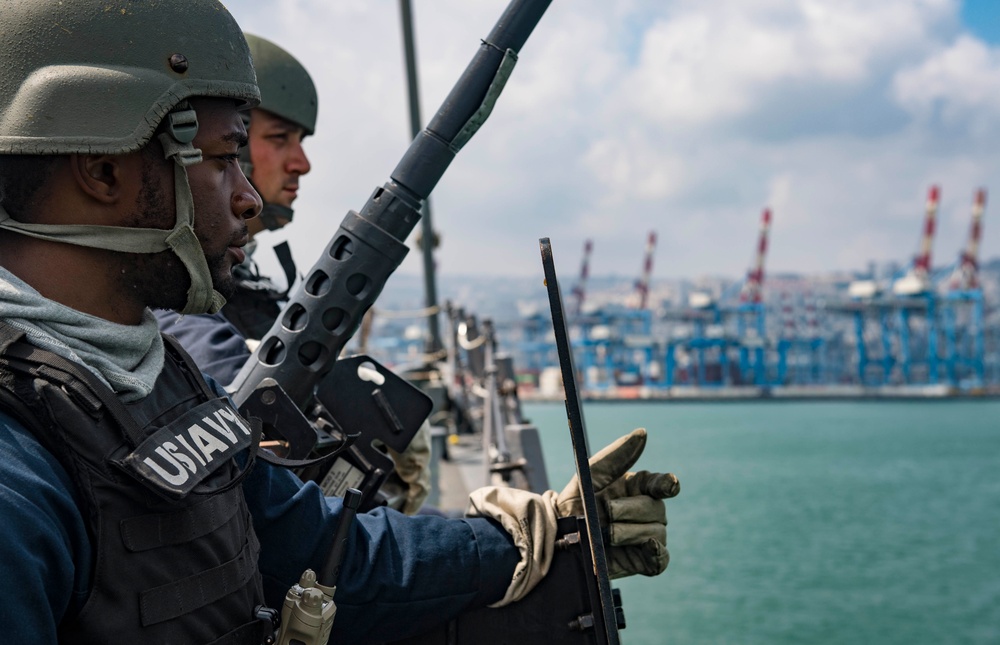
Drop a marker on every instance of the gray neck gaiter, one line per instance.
(127, 358)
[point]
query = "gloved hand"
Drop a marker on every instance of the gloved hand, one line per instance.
(412, 466)
(630, 506)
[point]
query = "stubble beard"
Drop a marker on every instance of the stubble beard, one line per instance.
(160, 280)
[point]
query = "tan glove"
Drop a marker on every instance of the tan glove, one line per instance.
(630, 506)
(412, 467)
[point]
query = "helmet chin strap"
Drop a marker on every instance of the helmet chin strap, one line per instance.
(182, 126)
(176, 142)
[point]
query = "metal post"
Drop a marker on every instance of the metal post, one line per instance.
(932, 338)
(952, 352)
(904, 343)
(427, 230)
(760, 372)
(741, 333)
(859, 330)
(887, 359)
(979, 343)
(670, 363)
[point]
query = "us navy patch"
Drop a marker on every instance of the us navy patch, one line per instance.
(179, 456)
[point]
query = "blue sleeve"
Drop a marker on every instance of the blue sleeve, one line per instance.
(44, 548)
(216, 346)
(400, 576)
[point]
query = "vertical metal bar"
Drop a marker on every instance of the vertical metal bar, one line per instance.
(578, 432)
(434, 343)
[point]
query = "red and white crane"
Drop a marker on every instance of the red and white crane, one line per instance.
(966, 274)
(752, 290)
(642, 284)
(917, 279)
(580, 289)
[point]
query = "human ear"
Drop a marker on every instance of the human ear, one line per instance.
(100, 177)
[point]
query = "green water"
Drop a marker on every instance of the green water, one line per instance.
(813, 522)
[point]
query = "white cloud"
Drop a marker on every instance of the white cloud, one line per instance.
(704, 62)
(682, 116)
(630, 167)
(959, 85)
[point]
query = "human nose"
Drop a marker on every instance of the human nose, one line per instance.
(298, 162)
(246, 202)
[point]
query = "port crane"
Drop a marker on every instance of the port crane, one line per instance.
(917, 280)
(750, 314)
(709, 341)
(962, 308)
(614, 343)
(911, 298)
(642, 284)
(580, 288)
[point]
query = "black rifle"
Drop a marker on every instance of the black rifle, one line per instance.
(301, 348)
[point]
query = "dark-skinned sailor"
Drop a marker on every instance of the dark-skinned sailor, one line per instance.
(135, 506)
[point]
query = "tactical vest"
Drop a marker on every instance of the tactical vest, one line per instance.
(257, 302)
(175, 554)
(254, 307)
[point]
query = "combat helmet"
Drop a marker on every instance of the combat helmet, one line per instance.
(286, 90)
(99, 77)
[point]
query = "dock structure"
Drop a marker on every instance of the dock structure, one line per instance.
(801, 347)
(698, 352)
(963, 310)
(616, 348)
(709, 330)
(920, 328)
(925, 327)
(886, 349)
(614, 343)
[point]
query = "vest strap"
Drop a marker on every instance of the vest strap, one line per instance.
(254, 632)
(175, 599)
(284, 254)
(54, 368)
(147, 532)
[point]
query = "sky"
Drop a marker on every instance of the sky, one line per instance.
(685, 117)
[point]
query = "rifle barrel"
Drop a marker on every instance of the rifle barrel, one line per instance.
(327, 307)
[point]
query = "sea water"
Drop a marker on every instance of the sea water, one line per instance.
(834, 522)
